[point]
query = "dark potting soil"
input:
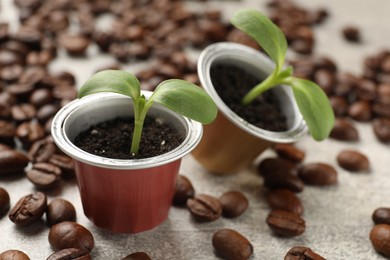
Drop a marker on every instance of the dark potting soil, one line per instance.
(232, 83)
(112, 139)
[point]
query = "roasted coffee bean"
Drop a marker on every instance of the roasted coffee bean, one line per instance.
(339, 105)
(344, 130)
(75, 45)
(283, 180)
(137, 256)
(380, 239)
(29, 132)
(12, 162)
(360, 111)
(183, 190)
(352, 160)
(233, 203)
(285, 223)
(65, 163)
(70, 254)
(4, 202)
(381, 127)
(60, 210)
(381, 216)
(318, 174)
(70, 235)
(7, 132)
(42, 150)
(204, 208)
(289, 152)
(229, 244)
(14, 255)
(271, 165)
(302, 253)
(41, 97)
(351, 33)
(285, 200)
(23, 112)
(29, 209)
(44, 175)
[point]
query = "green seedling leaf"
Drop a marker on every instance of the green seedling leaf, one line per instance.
(117, 81)
(265, 33)
(314, 106)
(186, 99)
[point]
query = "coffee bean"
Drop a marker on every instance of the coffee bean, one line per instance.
(70, 254)
(289, 152)
(302, 253)
(60, 210)
(28, 209)
(29, 132)
(44, 175)
(233, 203)
(229, 244)
(4, 202)
(318, 174)
(183, 190)
(137, 256)
(352, 160)
(271, 165)
(344, 130)
(12, 162)
(42, 150)
(283, 180)
(204, 208)
(70, 235)
(23, 112)
(380, 239)
(14, 255)
(285, 223)
(381, 127)
(360, 111)
(7, 132)
(285, 200)
(351, 33)
(381, 216)
(65, 163)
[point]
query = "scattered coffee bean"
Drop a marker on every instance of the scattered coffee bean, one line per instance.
(12, 162)
(380, 239)
(4, 202)
(302, 253)
(285, 223)
(137, 256)
(70, 254)
(381, 127)
(204, 208)
(14, 255)
(381, 216)
(289, 152)
(233, 203)
(344, 130)
(28, 209)
(183, 190)
(318, 174)
(284, 200)
(44, 175)
(70, 235)
(352, 160)
(60, 210)
(231, 245)
(351, 34)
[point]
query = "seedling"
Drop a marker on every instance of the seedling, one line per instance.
(312, 101)
(178, 95)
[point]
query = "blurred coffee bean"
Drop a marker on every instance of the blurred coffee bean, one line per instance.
(302, 253)
(23, 112)
(381, 216)
(4, 202)
(353, 160)
(339, 105)
(137, 256)
(380, 239)
(233, 203)
(29, 132)
(75, 45)
(289, 152)
(41, 150)
(360, 111)
(229, 244)
(344, 130)
(283, 180)
(7, 132)
(381, 127)
(285, 200)
(204, 208)
(70, 254)
(69, 234)
(12, 162)
(65, 163)
(60, 210)
(44, 175)
(28, 209)
(183, 190)
(285, 223)
(14, 254)
(351, 33)
(318, 174)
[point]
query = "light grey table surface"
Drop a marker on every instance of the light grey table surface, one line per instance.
(338, 218)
